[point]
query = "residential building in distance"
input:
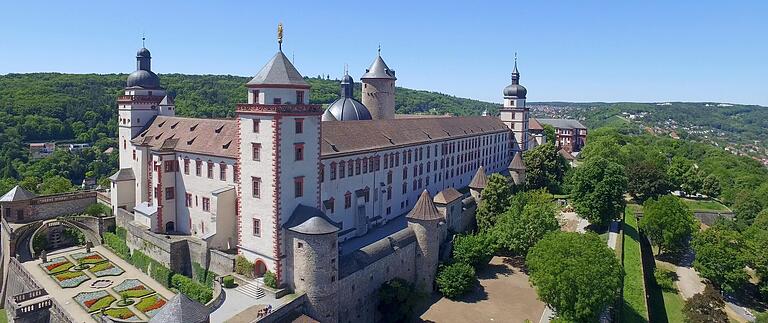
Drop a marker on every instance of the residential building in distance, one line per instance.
(571, 134)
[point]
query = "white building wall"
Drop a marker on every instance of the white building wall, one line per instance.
(268, 96)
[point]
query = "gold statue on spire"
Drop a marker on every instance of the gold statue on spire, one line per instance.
(280, 35)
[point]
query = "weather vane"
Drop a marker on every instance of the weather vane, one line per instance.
(379, 49)
(143, 38)
(280, 35)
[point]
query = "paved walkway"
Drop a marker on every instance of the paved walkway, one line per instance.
(236, 301)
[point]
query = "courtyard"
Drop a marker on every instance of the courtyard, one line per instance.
(88, 284)
(504, 295)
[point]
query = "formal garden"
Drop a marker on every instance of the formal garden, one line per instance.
(125, 301)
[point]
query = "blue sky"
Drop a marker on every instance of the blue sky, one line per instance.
(568, 51)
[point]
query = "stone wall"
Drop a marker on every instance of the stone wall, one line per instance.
(284, 313)
(47, 207)
(221, 262)
(22, 283)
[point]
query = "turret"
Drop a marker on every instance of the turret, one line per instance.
(517, 170)
(477, 184)
(379, 89)
(424, 219)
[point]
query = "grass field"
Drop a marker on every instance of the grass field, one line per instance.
(669, 305)
(705, 205)
(634, 309)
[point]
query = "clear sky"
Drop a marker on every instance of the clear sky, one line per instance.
(568, 50)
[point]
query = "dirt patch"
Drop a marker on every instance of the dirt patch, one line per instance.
(504, 295)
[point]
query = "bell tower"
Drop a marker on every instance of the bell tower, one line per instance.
(515, 113)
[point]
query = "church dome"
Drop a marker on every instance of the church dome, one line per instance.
(515, 90)
(347, 108)
(143, 79)
(143, 52)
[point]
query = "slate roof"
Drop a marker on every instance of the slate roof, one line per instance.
(371, 253)
(517, 162)
(17, 193)
(379, 70)
(214, 137)
(278, 71)
(447, 195)
(181, 309)
(480, 180)
(124, 174)
(424, 209)
(563, 123)
(310, 220)
(351, 137)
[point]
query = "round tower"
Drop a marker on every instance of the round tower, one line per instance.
(425, 220)
(517, 169)
(313, 265)
(477, 184)
(379, 89)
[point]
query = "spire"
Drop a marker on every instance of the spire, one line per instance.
(379, 51)
(142, 41)
(347, 84)
(480, 180)
(515, 72)
(280, 36)
(424, 209)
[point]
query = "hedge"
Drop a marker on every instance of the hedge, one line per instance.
(228, 281)
(202, 275)
(117, 245)
(140, 260)
(191, 288)
(121, 232)
(162, 274)
(270, 279)
(243, 266)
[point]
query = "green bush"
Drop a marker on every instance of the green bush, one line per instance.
(121, 232)
(665, 279)
(40, 242)
(270, 279)
(98, 210)
(228, 281)
(117, 245)
(76, 236)
(243, 266)
(202, 275)
(161, 274)
(455, 279)
(398, 300)
(473, 249)
(191, 288)
(140, 260)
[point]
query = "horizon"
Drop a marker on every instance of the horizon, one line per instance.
(573, 52)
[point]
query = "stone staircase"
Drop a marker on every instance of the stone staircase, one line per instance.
(252, 289)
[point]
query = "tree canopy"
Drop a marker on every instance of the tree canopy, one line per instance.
(668, 222)
(529, 218)
(706, 306)
(721, 256)
(545, 168)
(597, 190)
(576, 274)
(494, 202)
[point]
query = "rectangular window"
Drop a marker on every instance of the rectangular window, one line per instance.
(169, 166)
(256, 151)
(365, 166)
(333, 171)
(198, 168)
(277, 101)
(298, 186)
(206, 204)
(256, 96)
(299, 126)
(169, 193)
(347, 200)
(256, 187)
(350, 168)
(188, 199)
(186, 166)
(299, 151)
(256, 125)
(299, 97)
(257, 227)
(223, 171)
(210, 169)
(342, 170)
(358, 166)
(389, 193)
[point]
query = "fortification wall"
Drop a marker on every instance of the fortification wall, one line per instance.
(23, 283)
(358, 292)
(221, 262)
(47, 207)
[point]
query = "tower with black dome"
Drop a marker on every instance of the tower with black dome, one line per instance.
(379, 89)
(346, 107)
(143, 99)
(515, 113)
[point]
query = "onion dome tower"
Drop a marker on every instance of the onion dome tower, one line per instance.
(346, 108)
(515, 113)
(143, 77)
(424, 219)
(379, 89)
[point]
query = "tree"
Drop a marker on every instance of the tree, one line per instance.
(756, 239)
(576, 274)
(473, 249)
(545, 168)
(711, 186)
(705, 307)
(721, 257)
(648, 180)
(746, 207)
(527, 221)
(455, 279)
(597, 190)
(55, 184)
(398, 300)
(550, 133)
(677, 169)
(692, 181)
(494, 202)
(668, 222)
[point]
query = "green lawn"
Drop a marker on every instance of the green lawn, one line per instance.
(705, 205)
(669, 305)
(673, 303)
(634, 309)
(3, 316)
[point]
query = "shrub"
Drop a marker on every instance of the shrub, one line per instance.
(117, 245)
(161, 274)
(121, 232)
(473, 249)
(455, 279)
(98, 210)
(398, 300)
(665, 279)
(228, 281)
(270, 279)
(39, 242)
(243, 266)
(191, 288)
(140, 260)
(75, 236)
(202, 275)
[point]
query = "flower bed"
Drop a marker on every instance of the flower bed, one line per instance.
(94, 301)
(121, 313)
(106, 268)
(69, 279)
(88, 257)
(56, 265)
(151, 305)
(132, 288)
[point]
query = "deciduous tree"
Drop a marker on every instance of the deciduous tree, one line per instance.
(545, 168)
(721, 257)
(495, 200)
(668, 222)
(520, 228)
(705, 307)
(648, 180)
(597, 190)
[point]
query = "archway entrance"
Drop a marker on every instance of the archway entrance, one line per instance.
(259, 268)
(169, 227)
